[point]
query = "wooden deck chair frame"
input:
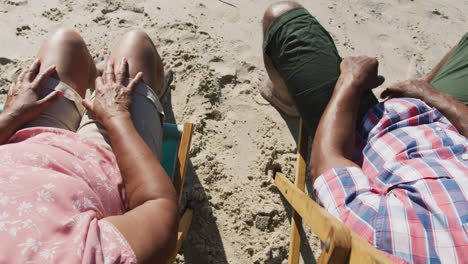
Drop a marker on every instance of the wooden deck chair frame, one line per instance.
(340, 243)
(180, 170)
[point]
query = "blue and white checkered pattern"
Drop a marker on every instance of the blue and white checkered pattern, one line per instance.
(410, 196)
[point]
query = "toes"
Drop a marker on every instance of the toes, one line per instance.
(101, 60)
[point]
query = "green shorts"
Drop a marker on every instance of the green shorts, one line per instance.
(305, 56)
(452, 78)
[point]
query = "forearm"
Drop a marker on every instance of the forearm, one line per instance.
(334, 140)
(143, 175)
(455, 111)
(8, 126)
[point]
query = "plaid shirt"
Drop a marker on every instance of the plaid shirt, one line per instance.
(410, 196)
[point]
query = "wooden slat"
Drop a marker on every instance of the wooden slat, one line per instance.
(182, 160)
(345, 244)
(179, 179)
(184, 226)
(301, 170)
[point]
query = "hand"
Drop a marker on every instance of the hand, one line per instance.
(418, 88)
(359, 72)
(22, 104)
(112, 97)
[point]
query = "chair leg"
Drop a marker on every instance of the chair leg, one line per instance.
(296, 220)
(182, 160)
(184, 226)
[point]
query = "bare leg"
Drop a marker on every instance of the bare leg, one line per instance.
(146, 110)
(75, 72)
(74, 65)
(276, 83)
(137, 47)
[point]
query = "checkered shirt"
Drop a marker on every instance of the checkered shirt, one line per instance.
(410, 196)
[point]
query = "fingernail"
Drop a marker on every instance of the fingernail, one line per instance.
(58, 94)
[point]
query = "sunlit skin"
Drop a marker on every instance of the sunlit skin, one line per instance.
(150, 225)
(334, 141)
(334, 138)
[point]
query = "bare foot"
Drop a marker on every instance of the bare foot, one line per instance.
(100, 60)
(268, 92)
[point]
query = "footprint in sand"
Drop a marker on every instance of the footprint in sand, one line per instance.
(384, 39)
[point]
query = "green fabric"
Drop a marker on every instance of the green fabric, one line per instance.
(169, 148)
(452, 78)
(305, 55)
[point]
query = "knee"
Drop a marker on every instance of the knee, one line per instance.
(136, 35)
(275, 10)
(68, 36)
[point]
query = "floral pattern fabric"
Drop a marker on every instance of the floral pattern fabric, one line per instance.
(55, 189)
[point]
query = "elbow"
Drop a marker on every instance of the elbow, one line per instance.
(172, 226)
(172, 239)
(313, 174)
(167, 240)
(314, 166)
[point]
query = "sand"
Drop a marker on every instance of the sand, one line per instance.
(214, 50)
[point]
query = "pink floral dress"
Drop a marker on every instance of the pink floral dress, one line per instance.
(55, 188)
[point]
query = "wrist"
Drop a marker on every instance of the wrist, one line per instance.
(349, 84)
(347, 88)
(13, 120)
(117, 120)
(430, 93)
(8, 126)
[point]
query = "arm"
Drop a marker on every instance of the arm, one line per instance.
(454, 110)
(150, 226)
(334, 141)
(8, 126)
(22, 103)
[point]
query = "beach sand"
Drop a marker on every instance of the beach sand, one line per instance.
(214, 50)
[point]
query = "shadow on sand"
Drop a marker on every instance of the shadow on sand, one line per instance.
(203, 243)
(293, 126)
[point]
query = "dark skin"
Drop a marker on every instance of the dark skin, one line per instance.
(334, 142)
(454, 110)
(150, 226)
